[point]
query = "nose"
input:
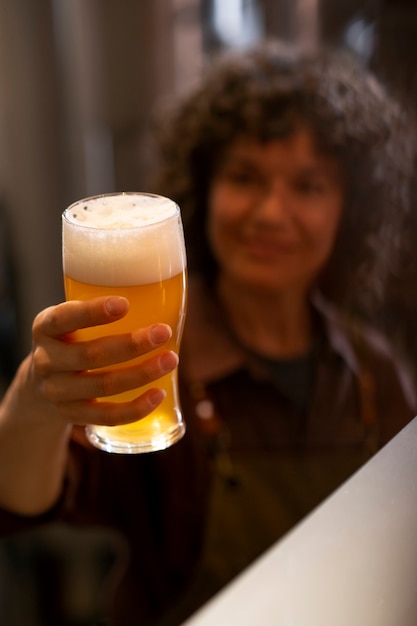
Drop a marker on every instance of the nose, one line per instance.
(272, 206)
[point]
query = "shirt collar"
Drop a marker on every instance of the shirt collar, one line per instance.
(208, 349)
(336, 325)
(210, 352)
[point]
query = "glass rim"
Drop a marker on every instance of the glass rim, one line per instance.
(67, 218)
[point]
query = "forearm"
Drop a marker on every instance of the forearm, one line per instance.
(33, 449)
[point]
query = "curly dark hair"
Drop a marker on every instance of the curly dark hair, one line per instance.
(263, 94)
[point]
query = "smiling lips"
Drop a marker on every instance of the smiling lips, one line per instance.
(267, 247)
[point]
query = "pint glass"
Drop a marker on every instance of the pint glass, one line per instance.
(131, 245)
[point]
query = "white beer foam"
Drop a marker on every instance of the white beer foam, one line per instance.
(123, 240)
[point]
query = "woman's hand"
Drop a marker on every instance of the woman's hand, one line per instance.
(56, 386)
(65, 373)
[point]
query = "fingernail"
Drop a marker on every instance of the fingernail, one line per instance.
(156, 396)
(168, 361)
(117, 306)
(160, 333)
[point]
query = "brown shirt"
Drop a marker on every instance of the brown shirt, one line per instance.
(250, 466)
(274, 458)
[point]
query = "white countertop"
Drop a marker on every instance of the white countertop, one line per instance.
(352, 562)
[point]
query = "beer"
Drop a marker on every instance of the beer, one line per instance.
(131, 245)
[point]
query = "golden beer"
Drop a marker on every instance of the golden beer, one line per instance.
(131, 245)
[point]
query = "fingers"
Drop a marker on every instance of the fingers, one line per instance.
(118, 348)
(69, 375)
(65, 387)
(67, 317)
(112, 413)
(51, 355)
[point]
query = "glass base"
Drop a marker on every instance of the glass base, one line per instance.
(101, 438)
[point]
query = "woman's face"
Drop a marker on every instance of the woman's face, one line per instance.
(274, 210)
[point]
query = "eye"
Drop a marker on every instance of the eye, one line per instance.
(240, 176)
(309, 186)
(243, 178)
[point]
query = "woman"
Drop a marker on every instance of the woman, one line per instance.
(288, 171)
(293, 175)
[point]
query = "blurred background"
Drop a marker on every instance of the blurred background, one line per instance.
(80, 82)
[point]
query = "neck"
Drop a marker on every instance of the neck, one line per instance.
(276, 325)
